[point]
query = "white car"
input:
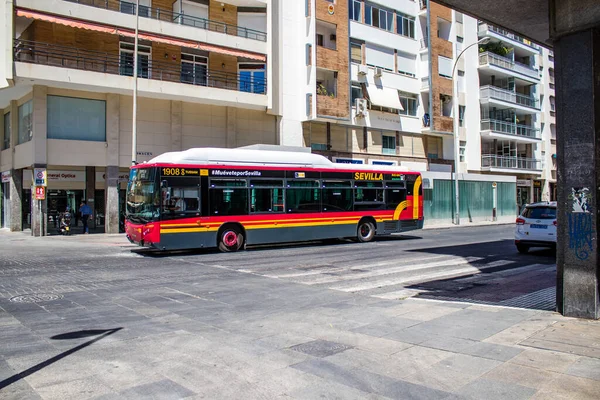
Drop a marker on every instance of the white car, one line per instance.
(536, 226)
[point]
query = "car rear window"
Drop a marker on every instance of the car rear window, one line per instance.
(540, 213)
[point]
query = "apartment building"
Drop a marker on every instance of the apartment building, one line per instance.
(205, 79)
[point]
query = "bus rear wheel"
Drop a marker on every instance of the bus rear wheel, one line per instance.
(231, 239)
(366, 231)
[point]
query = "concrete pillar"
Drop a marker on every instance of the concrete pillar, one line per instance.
(111, 179)
(231, 127)
(577, 68)
(176, 125)
(90, 191)
(40, 156)
(16, 192)
(111, 176)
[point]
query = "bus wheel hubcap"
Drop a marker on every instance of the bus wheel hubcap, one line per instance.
(364, 230)
(230, 238)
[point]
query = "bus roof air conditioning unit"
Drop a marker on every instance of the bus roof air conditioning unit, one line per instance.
(361, 108)
(378, 72)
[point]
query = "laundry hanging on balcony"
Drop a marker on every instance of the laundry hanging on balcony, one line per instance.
(79, 24)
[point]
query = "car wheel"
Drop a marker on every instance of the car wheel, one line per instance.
(365, 232)
(231, 239)
(522, 248)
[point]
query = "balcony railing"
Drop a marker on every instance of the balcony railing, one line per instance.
(506, 63)
(493, 92)
(494, 161)
(160, 14)
(510, 128)
(509, 35)
(68, 57)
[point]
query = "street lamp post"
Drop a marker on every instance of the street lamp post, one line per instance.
(455, 111)
(135, 86)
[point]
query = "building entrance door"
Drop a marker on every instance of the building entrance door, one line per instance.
(5, 206)
(522, 197)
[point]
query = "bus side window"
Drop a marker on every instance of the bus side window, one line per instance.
(180, 196)
(395, 193)
(302, 196)
(337, 196)
(266, 196)
(228, 197)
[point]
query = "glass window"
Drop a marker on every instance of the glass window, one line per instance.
(194, 69)
(266, 196)
(228, 197)
(356, 52)
(462, 150)
(252, 78)
(25, 122)
(461, 115)
(356, 93)
(73, 118)
(337, 196)
(368, 14)
(126, 59)
(395, 193)
(143, 201)
(356, 10)
(368, 192)
(409, 103)
(303, 196)
(405, 25)
(540, 213)
(181, 196)
(7, 131)
(388, 144)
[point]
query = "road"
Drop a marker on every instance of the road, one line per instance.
(94, 317)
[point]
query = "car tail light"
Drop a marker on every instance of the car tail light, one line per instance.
(554, 222)
(520, 221)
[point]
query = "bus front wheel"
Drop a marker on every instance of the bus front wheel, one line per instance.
(365, 231)
(231, 239)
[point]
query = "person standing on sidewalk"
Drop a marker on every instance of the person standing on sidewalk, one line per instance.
(86, 213)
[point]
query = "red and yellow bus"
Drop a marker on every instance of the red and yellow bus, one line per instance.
(228, 198)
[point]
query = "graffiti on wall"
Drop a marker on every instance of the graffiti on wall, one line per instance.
(580, 223)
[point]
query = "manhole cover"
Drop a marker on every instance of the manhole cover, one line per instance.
(36, 297)
(320, 348)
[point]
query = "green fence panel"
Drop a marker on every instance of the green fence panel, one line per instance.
(476, 199)
(507, 199)
(437, 202)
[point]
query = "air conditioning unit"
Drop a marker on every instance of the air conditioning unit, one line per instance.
(363, 70)
(361, 108)
(378, 72)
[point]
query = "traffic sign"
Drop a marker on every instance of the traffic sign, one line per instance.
(40, 193)
(40, 177)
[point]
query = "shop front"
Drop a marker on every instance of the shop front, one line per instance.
(523, 193)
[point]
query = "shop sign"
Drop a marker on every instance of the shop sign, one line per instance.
(331, 9)
(6, 177)
(101, 177)
(523, 182)
(40, 193)
(66, 176)
(537, 184)
(339, 160)
(40, 177)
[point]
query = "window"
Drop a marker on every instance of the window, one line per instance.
(409, 103)
(126, 59)
(357, 93)
(266, 196)
(71, 118)
(540, 213)
(383, 109)
(446, 105)
(228, 197)
(552, 104)
(405, 25)
(356, 10)
(303, 196)
(379, 56)
(395, 193)
(379, 17)
(252, 78)
(406, 64)
(337, 196)
(461, 81)
(462, 150)
(7, 132)
(444, 27)
(461, 115)
(129, 8)
(319, 39)
(388, 144)
(194, 69)
(318, 146)
(308, 54)
(445, 67)
(25, 122)
(356, 52)
(181, 196)
(368, 196)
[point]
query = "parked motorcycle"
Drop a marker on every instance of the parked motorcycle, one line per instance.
(65, 223)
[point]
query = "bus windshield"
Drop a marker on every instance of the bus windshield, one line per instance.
(143, 200)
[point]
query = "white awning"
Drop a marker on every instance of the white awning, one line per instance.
(384, 96)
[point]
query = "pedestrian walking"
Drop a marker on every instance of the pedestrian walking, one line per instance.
(86, 213)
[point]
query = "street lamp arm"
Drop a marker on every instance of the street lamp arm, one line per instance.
(480, 41)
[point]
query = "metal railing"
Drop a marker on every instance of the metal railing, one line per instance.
(493, 92)
(507, 63)
(510, 128)
(127, 7)
(509, 35)
(69, 57)
(494, 161)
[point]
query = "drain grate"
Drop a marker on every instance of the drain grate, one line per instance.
(36, 297)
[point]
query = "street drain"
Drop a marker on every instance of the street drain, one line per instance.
(36, 297)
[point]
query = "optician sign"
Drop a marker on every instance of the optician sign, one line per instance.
(6, 177)
(55, 176)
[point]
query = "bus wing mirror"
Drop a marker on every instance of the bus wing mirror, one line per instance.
(164, 184)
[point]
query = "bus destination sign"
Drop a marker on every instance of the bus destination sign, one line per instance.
(168, 171)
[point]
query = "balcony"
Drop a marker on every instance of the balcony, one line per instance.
(490, 92)
(512, 129)
(485, 29)
(173, 17)
(494, 162)
(67, 57)
(491, 59)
